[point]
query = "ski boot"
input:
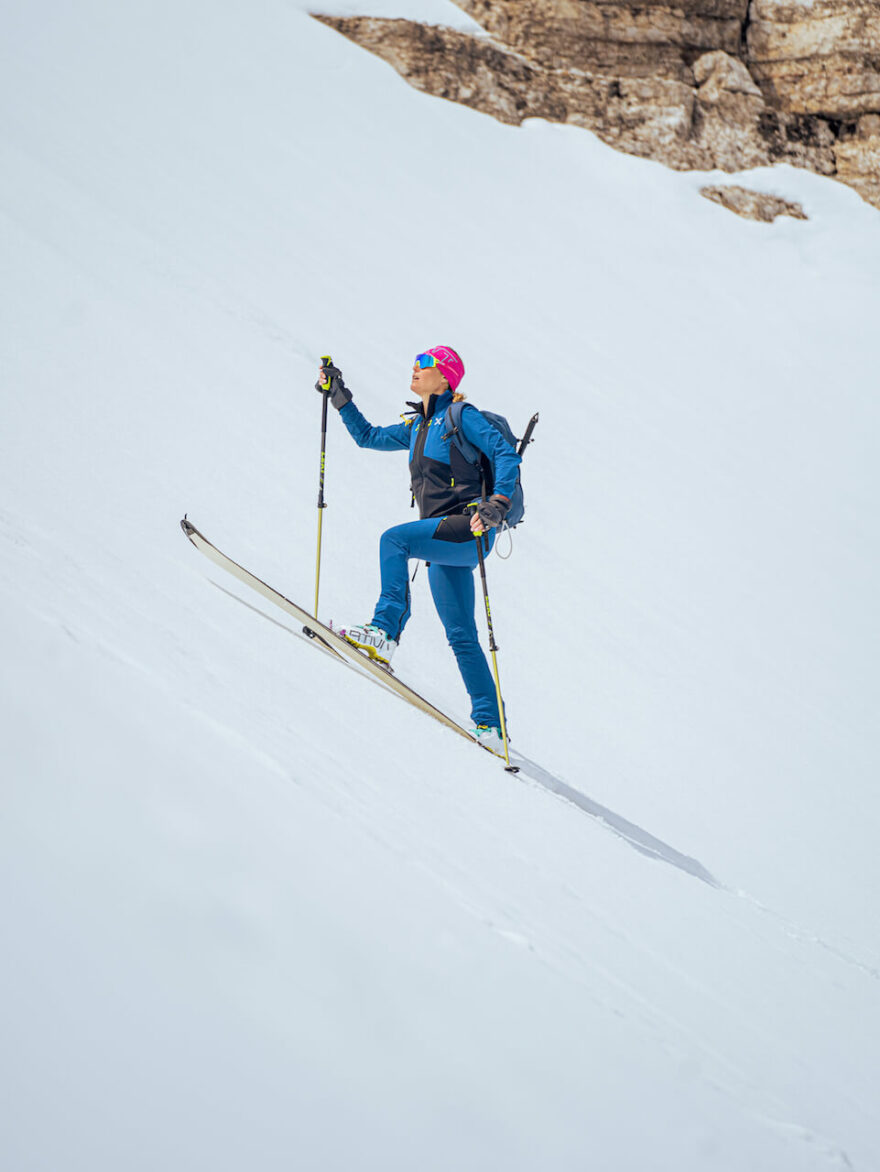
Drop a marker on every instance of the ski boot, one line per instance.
(490, 736)
(371, 639)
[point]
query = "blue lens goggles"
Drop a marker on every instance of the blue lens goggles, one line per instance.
(425, 361)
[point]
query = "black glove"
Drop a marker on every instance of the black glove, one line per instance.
(493, 511)
(339, 392)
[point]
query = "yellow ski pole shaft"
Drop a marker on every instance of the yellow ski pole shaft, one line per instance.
(318, 559)
(493, 648)
(326, 360)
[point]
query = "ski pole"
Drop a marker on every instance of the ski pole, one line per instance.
(326, 360)
(493, 648)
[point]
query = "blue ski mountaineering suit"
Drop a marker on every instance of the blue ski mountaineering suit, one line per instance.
(443, 483)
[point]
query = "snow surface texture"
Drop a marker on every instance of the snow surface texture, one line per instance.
(256, 913)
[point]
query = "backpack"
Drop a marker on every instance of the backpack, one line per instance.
(473, 455)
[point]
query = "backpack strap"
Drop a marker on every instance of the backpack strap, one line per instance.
(453, 419)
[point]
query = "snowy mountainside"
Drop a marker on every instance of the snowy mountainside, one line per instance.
(261, 913)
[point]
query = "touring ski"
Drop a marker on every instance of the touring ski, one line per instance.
(329, 638)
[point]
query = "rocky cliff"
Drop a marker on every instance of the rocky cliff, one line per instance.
(703, 84)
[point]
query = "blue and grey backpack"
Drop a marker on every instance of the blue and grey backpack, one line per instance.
(473, 455)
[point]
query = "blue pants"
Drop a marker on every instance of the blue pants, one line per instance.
(451, 576)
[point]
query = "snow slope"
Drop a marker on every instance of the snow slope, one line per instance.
(255, 912)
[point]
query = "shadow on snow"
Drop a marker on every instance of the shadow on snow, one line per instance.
(641, 840)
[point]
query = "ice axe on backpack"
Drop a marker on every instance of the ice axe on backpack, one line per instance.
(527, 437)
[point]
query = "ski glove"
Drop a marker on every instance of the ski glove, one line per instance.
(493, 511)
(339, 392)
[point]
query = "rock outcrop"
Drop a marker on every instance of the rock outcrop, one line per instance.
(753, 205)
(727, 84)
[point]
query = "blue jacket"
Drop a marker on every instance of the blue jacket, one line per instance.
(443, 481)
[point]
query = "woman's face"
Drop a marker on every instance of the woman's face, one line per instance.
(427, 382)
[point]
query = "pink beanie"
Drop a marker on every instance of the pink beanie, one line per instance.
(449, 364)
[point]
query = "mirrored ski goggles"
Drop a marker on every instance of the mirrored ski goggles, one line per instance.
(424, 361)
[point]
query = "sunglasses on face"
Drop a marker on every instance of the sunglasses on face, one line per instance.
(424, 361)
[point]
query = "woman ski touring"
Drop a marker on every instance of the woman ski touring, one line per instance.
(448, 490)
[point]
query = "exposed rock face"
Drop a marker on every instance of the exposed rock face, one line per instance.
(858, 159)
(704, 84)
(753, 205)
(818, 57)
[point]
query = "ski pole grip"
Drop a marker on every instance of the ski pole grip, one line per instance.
(477, 536)
(326, 360)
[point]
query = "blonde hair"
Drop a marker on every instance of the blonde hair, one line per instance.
(457, 397)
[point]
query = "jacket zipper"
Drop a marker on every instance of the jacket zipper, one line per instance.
(419, 449)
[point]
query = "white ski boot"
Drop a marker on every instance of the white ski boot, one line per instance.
(371, 639)
(490, 736)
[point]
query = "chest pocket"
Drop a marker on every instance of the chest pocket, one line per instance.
(436, 447)
(432, 445)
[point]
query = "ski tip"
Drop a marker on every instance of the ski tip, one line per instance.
(188, 529)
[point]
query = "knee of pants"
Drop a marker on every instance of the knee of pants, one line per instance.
(390, 541)
(460, 637)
